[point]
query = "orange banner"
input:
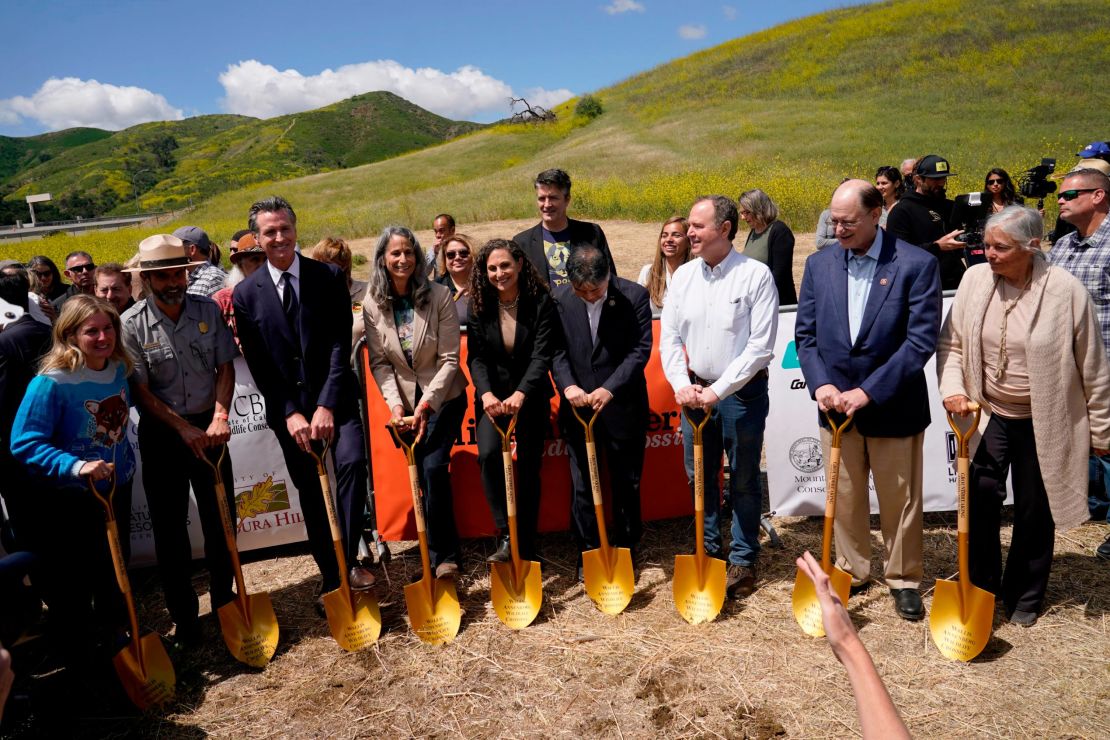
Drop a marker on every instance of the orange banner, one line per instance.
(664, 491)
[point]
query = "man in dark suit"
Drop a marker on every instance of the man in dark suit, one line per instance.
(549, 243)
(607, 329)
(294, 323)
(22, 343)
(868, 320)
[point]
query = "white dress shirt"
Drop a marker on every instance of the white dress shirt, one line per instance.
(294, 272)
(725, 318)
(593, 313)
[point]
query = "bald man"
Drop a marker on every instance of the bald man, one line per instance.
(868, 321)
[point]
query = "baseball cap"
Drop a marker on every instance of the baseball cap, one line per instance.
(933, 165)
(1093, 150)
(194, 235)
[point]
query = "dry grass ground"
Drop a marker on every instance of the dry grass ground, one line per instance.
(646, 673)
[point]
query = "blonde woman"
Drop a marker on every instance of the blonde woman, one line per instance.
(72, 427)
(455, 264)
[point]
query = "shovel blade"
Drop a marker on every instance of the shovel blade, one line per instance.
(516, 603)
(435, 619)
(610, 584)
(961, 625)
(148, 682)
(253, 640)
(698, 599)
(354, 618)
(806, 605)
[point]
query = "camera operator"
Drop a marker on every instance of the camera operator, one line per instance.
(970, 211)
(1084, 203)
(922, 218)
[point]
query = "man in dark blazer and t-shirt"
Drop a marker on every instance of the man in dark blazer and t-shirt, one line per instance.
(868, 320)
(606, 323)
(550, 242)
(294, 323)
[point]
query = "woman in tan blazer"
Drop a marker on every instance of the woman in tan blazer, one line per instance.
(1022, 340)
(412, 333)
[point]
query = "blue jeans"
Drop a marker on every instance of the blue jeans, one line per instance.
(735, 428)
(1098, 491)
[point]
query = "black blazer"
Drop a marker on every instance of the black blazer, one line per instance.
(581, 234)
(22, 343)
(618, 360)
(298, 377)
(494, 370)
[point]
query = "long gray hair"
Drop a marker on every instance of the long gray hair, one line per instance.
(381, 284)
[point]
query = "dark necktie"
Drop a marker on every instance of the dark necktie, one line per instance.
(288, 297)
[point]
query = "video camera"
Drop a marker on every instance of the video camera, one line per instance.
(1034, 181)
(969, 213)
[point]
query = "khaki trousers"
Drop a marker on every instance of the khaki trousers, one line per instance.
(896, 464)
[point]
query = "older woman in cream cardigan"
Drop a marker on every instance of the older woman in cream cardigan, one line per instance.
(412, 333)
(1022, 340)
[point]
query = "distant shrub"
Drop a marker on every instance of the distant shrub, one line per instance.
(588, 107)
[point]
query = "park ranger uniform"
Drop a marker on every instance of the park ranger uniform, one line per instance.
(178, 363)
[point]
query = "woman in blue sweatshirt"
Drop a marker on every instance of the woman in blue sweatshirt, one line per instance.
(72, 426)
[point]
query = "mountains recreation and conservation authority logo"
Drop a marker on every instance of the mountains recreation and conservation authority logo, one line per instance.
(805, 454)
(262, 498)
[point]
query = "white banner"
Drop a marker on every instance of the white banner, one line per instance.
(795, 470)
(268, 505)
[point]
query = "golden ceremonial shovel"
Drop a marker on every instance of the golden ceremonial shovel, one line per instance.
(807, 609)
(607, 571)
(353, 616)
(143, 666)
(433, 603)
(248, 623)
(963, 614)
(516, 588)
(699, 580)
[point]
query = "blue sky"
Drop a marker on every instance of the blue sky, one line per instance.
(114, 64)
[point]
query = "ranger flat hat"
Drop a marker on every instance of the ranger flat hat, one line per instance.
(162, 252)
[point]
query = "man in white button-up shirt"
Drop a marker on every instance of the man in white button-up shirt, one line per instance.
(716, 340)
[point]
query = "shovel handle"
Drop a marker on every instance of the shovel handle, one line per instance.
(333, 520)
(228, 521)
(699, 486)
(963, 518)
(506, 434)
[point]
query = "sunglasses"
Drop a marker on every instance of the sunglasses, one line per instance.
(461, 254)
(994, 182)
(1073, 194)
(43, 273)
(82, 268)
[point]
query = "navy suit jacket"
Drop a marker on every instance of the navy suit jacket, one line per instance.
(298, 376)
(617, 361)
(897, 335)
(581, 234)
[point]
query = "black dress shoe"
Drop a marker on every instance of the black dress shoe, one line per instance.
(859, 588)
(908, 604)
(1103, 550)
(188, 635)
(503, 553)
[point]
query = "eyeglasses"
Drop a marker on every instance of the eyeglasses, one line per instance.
(846, 225)
(82, 268)
(994, 182)
(460, 254)
(1073, 194)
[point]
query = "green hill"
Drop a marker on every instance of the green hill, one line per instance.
(792, 110)
(172, 164)
(21, 153)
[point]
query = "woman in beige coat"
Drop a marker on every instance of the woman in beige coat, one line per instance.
(412, 333)
(1022, 340)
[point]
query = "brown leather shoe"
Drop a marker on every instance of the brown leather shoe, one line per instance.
(361, 579)
(447, 569)
(740, 581)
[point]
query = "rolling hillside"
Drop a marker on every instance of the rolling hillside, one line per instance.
(173, 164)
(792, 110)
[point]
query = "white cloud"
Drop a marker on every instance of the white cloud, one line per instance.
(623, 6)
(730, 12)
(691, 31)
(256, 89)
(69, 101)
(547, 98)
